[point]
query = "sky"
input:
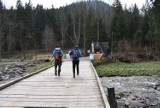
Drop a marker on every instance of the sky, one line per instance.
(59, 3)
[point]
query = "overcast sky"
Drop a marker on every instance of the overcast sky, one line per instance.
(58, 3)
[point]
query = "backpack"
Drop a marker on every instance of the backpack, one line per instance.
(58, 54)
(75, 53)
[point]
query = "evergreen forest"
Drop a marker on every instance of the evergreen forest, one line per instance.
(27, 28)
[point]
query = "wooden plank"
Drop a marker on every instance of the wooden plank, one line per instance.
(77, 90)
(28, 99)
(51, 104)
(47, 96)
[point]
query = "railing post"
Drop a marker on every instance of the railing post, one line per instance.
(111, 98)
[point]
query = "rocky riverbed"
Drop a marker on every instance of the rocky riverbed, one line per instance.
(135, 91)
(12, 70)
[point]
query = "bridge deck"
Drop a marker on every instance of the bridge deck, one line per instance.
(47, 90)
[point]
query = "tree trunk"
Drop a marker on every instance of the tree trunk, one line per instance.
(62, 38)
(79, 30)
(48, 38)
(0, 35)
(10, 40)
(112, 44)
(97, 31)
(84, 43)
(0, 42)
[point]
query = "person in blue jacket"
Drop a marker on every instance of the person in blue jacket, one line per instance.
(57, 54)
(75, 54)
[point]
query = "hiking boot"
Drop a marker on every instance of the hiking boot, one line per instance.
(55, 72)
(73, 75)
(77, 73)
(59, 72)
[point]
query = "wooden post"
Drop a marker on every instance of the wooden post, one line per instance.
(111, 98)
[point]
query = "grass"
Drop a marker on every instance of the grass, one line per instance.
(128, 69)
(40, 66)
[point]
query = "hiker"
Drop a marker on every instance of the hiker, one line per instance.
(57, 54)
(75, 54)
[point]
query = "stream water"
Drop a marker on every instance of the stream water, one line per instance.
(135, 91)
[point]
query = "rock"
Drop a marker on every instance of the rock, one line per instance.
(133, 97)
(157, 84)
(6, 77)
(136, 104)
(6, 68)
(118, 97)
(158, 88)
(1, 73)
(31, 65)
(19, 72)
(142, 101)
(147, 102)
(121, 102)
(126, 102)
(155, 87)
(1, 79)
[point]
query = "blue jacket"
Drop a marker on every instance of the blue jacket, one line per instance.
(79, 54)
(54, 52)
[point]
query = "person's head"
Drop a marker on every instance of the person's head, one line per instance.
(57, 45)
(76, 46)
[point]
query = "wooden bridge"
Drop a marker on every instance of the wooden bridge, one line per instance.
(45, 90)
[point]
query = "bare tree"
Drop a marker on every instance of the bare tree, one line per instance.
(74, 38)
(84, 18)
(63, 25)
(49, 40)
(10, 37)
(76, 17)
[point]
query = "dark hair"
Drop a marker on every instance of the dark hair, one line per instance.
(76, 46)
(57, 45)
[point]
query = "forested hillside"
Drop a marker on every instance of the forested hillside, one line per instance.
(37, 28)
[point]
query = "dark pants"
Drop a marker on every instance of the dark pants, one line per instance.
(58, 64)
(75, 65)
